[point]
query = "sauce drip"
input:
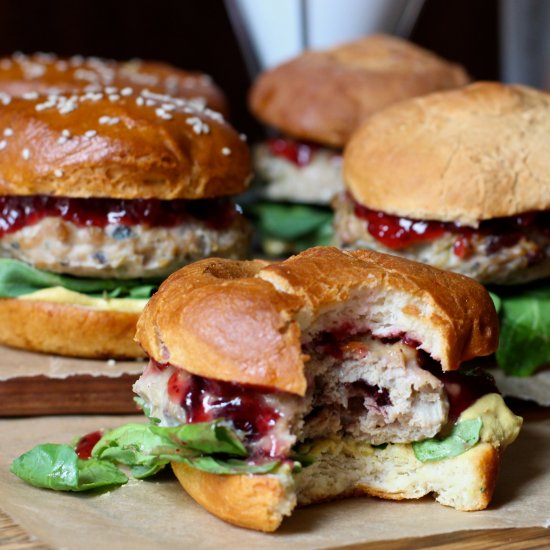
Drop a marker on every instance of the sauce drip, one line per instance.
(86, 444)
(205, 399)
(17, 211)
(396, 232)
(298, 152)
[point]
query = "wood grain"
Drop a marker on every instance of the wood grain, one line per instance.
(80, 394)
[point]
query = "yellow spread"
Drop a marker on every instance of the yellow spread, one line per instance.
(60, 295)
(500, 425)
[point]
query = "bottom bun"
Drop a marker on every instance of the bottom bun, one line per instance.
(465, 482)
(63, 329)
(252, 501)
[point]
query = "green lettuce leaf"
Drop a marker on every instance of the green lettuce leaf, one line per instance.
(464, 436)
(18, 278)
(145, 449)
(230, 466)
(294, 227)
(57, 467)
(524, 343)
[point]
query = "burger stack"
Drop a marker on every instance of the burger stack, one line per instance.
(315, 102)
(103, 194)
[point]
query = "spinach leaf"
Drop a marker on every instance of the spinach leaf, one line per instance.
(295, 226)
(464, 436)
(524, 331)
(18, 278)
(57, 467)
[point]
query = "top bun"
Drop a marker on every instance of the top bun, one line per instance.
(323, 96)
(119, 144)
(459, 156)
(47, 73)
(244, 321)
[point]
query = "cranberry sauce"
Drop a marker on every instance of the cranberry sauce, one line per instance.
(396, 232)
(463, 387)
(298, 152)
(205, 399)
(17, 211)
(86, 443)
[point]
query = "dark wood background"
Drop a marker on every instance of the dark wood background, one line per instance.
(196, 34)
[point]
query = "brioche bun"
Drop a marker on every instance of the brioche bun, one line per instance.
(458, 156)
(70, 330)
(48, 73)
(465, 482)
(323, 96)
(242, 321)
(123, 146)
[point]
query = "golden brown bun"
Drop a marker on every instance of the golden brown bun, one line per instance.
(239, 321)
(47, 73)
(464, 155)
(465, 482)
(252, 501)
(323, 96)
(67, 330)
(121, 146)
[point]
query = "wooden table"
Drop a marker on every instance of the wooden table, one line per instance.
(13, 537)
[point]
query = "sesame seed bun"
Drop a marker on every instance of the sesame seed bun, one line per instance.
(323, 96)
(459, 156)
(242, 321)
(120, 145)
(48, 73)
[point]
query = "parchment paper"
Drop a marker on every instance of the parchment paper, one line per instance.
(158, 514)
(17, 363)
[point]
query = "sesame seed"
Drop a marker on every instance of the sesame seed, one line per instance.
(226, 151)
(126, 91)
(140, 101)
(30, 95)
(90, 134)
(161, 113)
(149, 102)
(3, 144)
(111, 90)
(58, 173)
(62, 140)
(8, 132)
(114, 97)
(5, 99)
(111, 363)
(110, 120)
(66, 133)
(199, 127)
(26, 154)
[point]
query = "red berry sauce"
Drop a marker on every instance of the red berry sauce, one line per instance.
(86, 444)
(396, 232)
(205, 399)
(463, 388)
(298, 152)
(17, 211)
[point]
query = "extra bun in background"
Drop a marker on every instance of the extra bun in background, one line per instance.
(103, 194)
(467, 174)
(323, 96)
(47, 73)
(316, 101)
(341, 357)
